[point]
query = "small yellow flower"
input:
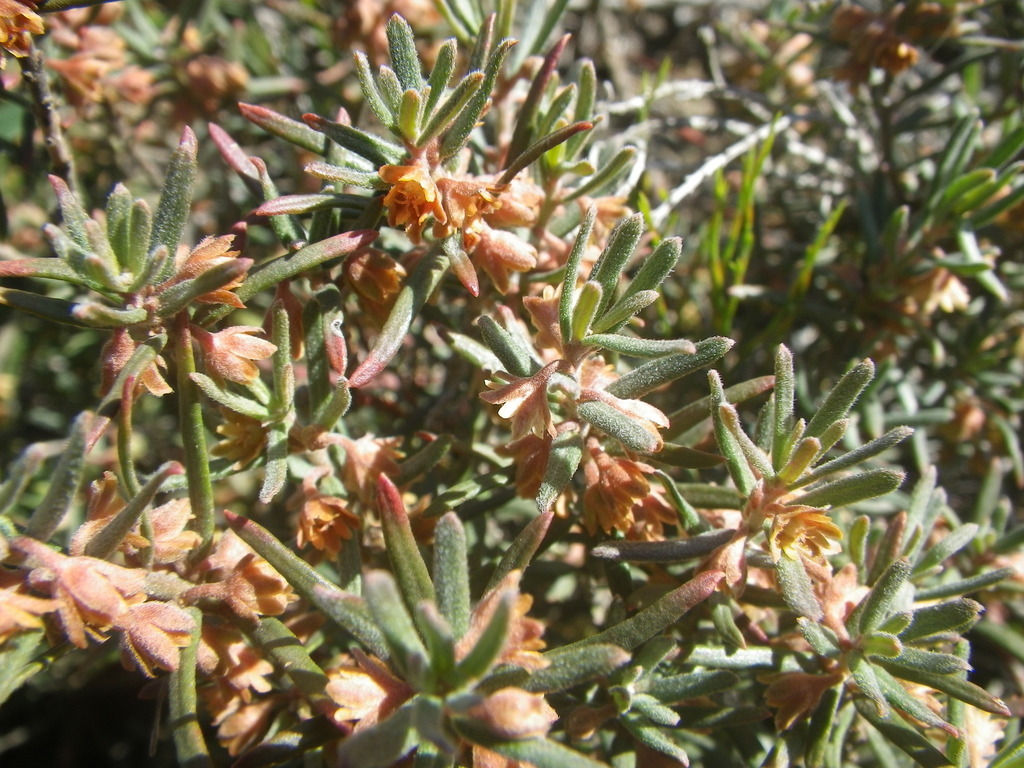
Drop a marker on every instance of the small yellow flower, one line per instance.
(18, 20)
(232, 353)
(807, 531)
(413, 198)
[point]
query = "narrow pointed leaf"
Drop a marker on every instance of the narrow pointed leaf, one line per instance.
(176, 197)
(657, 373)
(838, 402)
(409, 568)
(797, 589)
(954, 616)
(451, 573)
(610, 420)
(414, 294)
(345, 609)
(850, 490)
(878, 603)
(567, 299)
(64, 483)
(563, 461)
(910, 741)
(519, 554)
(653, 619)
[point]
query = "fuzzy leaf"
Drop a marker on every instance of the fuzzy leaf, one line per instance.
(610, 420)
(953, 542)
(66, 479)
(673, 551)
(653, 619)
(451, 574)
(622, 243)
(957, 587)
(657, 373)
(292, 131)
(409, 568)
(508, 347)
(692, 685)
(956, 616)
(373, 148)
(347, 610)
(907, 739)
(391, 615)
(850, 490)
(567, 299)
(956, 687)
(634, 347)
(490, 644)
(519, 554)
(797, 589)
(176, 197)
(563, 461)
(822, 639)
(842, 397)
(878, 603)
(384, 744)
(414, 294)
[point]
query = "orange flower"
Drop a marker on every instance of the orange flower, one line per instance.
(365, 460)
(249, 585)
(614, 486)
(20, 612)
(525, 402)
(800, 530)
(152, 634)
(366, 692)
(325, 521)
(500, 253)
(91, 594)
(512, 713)
(376, 278)
(18, 20)
(465, 201)
(412, 199)
(795, 695)
(523, 642)
(212, 252)
(231, 354)
(244, 438)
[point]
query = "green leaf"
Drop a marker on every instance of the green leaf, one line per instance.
(623, 427)
(563, 461)
(585, 310)
(457, 135)
(956, 687)
(483, 655)
(797, 589)
(290, 655)
(649, 376)
(634, 347)
(954, 616)
(672, 551)
(567, 299)
(370, 91)
(850, 490)
(654, 738)
(300, 738)
(451, 574)
(932, 557)
(373, 148)
(898, 696)
(822, 639)
(653, 619)
(692, 685)
(347, 610)
(540, 147)
(384, 744)
(878, 603)
(403, 552)
(449, 110)
(727, 436)
(625, 308)
(175, 198)
(859, 455)
(404, 58)
(65, 481)
(183, 710)
(107, 540)
(622, 242)
(391, 615)
(508, 347)
(864, 674)
(519, 554)
(964, 586)
(582, 666)
(21, 657)
(414, 294)
(838, 402)
(907, 739)
(1010, 755)
(929, 662)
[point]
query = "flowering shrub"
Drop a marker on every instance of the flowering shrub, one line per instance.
(390, 420)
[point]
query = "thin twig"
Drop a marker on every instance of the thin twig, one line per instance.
(44, 107)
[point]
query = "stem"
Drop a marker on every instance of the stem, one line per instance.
(44, 107)
(193, 435)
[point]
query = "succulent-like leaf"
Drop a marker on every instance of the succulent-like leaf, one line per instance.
(409, 568)
(954, 616)
(451, 575)
(519, 554)
(796, 587)
(850, 490)
(657, 373)
(838, 402)
(612, 421)
(66, 479)
(653, 619)
(176, 197)
(878, 603)
(563, 461)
